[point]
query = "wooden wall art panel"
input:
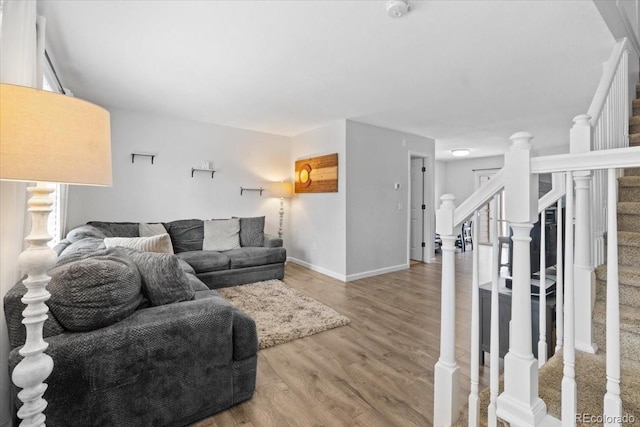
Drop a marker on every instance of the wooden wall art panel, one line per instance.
(317, 174)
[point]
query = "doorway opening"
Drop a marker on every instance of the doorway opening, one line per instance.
(421, 217)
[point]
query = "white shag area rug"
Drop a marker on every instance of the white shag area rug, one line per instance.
(282, 313)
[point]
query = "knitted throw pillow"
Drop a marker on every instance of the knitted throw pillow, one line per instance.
(160, 243)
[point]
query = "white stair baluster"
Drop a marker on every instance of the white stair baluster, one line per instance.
(612, 401)
(542, 299)
(569, 389)
(474, 401)
(494, 368)
(559, 279)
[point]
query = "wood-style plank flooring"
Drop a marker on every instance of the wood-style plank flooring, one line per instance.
(376, 371)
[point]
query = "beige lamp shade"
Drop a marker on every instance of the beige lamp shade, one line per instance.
(48, 137)
(281, 189)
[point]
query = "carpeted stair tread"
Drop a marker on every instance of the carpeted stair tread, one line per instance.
(629, 341)
(632, 172)
(629, 208)
(627, 275)
(591, 381)
(629, 238)
(628, 216)
(629, 284)
(629, 181)
(634, 120)
(629, 317)
(634, 139)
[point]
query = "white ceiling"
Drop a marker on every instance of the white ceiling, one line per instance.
(467, 73)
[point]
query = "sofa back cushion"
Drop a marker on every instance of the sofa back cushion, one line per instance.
(186, 234)
(159, 244)
(163, 279)
(94, 291)
(147, 229)
(117, 229)
(252, 231)
(221, 234)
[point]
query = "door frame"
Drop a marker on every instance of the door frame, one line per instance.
(428, 230)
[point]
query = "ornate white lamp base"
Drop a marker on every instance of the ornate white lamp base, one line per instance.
(36, 261)
(281, 216)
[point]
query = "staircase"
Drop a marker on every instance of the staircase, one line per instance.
(590, 369)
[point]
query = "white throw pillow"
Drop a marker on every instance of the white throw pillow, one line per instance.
(160, 244)
(151, 229)
(221, 234)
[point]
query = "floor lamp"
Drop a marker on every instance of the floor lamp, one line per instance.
(281, 190)
(46, 137)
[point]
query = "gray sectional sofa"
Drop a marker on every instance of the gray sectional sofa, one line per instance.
(260, 257)
(138, 338)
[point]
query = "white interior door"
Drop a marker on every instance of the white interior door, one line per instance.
(417, 211)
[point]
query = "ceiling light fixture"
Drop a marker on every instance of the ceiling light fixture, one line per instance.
(397, 8)
(461, 152)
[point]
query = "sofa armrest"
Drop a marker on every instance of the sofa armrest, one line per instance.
(272, 241)
(245, 337)
(157, 354)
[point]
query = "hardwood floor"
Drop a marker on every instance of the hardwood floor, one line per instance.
(376, 371)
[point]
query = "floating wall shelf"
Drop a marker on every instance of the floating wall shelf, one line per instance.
(242, 189)
(212, 171)
(133, 156)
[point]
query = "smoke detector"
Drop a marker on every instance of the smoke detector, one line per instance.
(397, 8)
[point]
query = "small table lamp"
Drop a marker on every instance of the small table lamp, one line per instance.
(46, 137)
(282, 190)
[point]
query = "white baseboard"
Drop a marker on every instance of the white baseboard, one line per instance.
(377, 272)
(350, 277)
(322, 270)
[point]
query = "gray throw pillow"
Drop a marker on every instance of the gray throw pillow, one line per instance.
(252, 231)
(95, 291)
(84, 231)
(163, 279)
(221, 235)
(80, 249)
(148, 229)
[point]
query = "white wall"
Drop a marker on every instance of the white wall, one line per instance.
(377, 214)
(12, 214)
(460, 176)
(440, 177)
(318, 220)
(165, 190)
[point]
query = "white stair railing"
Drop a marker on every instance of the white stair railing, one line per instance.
(608, 117)
(519, 403)
(603, 129)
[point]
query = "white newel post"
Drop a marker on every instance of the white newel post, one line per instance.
(446, 401)
(519, 404)
(584, 275)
